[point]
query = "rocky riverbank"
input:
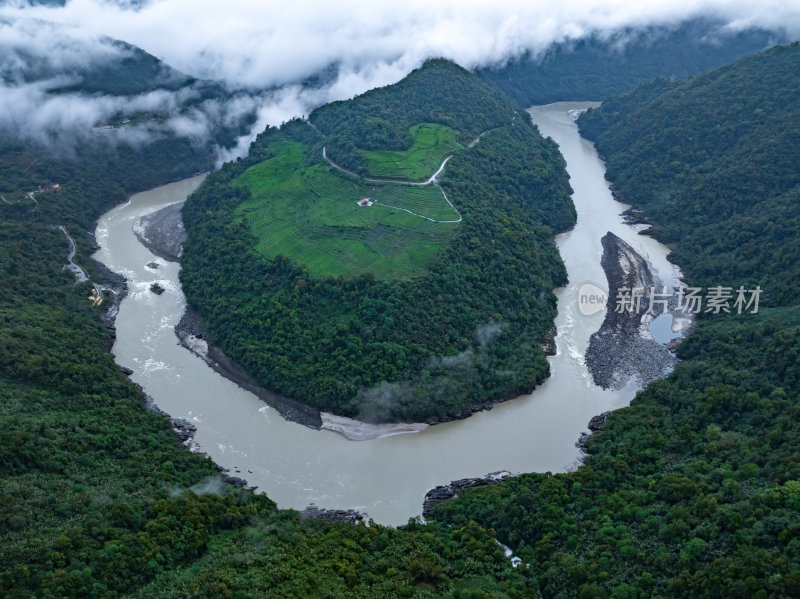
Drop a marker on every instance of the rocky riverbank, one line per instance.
(623, 349)
(317, 513)
(117, 288)
(192, 336)
(450, 491)
(112, 282)
(549, 346)
(595, 424)
(183, 429)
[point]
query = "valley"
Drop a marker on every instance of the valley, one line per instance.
(375, 261)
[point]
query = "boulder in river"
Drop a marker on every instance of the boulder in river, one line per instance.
(157, 289)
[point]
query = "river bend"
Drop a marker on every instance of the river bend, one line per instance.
(387, 477)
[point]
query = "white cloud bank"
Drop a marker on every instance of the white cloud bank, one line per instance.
(259, 44)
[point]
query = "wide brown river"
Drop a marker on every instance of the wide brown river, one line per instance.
(386, 477)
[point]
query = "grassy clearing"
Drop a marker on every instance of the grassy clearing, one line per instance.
(432, 144)
(310, 214)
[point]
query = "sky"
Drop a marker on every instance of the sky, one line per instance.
(266, 44)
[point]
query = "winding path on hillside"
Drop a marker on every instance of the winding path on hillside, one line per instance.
(78, 270)
(429, 181)
(81, 274)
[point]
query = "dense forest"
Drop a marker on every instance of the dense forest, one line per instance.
(596, 66)
(693, 490)
(433, 346)
(97, 497)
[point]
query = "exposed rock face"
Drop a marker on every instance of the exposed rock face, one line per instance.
(162, 232)
(183, 429)
(233, 480)
(595, 424)
(444, 492)
(623, 349)
(316, 513)
(549, 346)
(157, 289)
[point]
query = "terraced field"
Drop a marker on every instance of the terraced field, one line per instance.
(311, 215)
(432, 144)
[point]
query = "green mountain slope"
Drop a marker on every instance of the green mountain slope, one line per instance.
(693, 490)
(121, 69)
(402, 310)
(600, 65)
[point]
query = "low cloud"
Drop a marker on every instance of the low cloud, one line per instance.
(268, 51)
(264, 44)
(30, 112)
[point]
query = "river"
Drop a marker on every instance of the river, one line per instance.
(387, 477)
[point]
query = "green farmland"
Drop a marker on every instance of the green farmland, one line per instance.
(310, 213)
(432, 143)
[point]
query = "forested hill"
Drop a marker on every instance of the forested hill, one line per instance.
(693, 490)
(422, 306)
(712, 162)
(600, 65)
